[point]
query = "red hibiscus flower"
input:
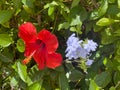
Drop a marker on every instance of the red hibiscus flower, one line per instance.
(41, 46)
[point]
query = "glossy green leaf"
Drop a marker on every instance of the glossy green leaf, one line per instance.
(5, 40)
(63, 82)
(20, 45)
(103, 79)
(35, 86)
(5, 16)
(103, 8)
(13, 82)
(22, 71)
(73, 29)
(53, 3)
(76, 21)
(93, 85)
(64, 25)
(104, 22)
(51, 10)
(100, 11)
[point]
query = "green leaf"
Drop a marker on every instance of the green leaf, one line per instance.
(20, 45)
(51, 10)
(104, 22)
(112, 88)
(53, 3)
(93, 85)
(35, 86)
(27, 9)
(4, 58)
(75, 3)
(118, 51)
(117, 57)
(108, 63)
(76, 21)
(13, 81)
(6, 25)
(118, 14)
(103, 79)
(118, 3)
(5, 40)
(17, 4)
(77, 15)
(76, 29)
(64, 25)
(101, 10)
(73, 29)
(117, 32)
(22, 71)
(63, 82)
(69, 66)
(107, 37)
(113, 10)
(5, 15)
(59, 69)
(75, 75)
(28, 6)
(116, 77)
(111, 1)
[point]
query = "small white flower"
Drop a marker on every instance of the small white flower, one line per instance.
(68, 74)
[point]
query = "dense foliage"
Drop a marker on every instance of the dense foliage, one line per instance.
(97, 20)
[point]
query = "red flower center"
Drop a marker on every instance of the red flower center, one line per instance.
(40, 46)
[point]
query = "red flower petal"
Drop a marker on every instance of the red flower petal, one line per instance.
(30, 48)
(54, 60)
(49, 39)
(27, 32)
(40, 57)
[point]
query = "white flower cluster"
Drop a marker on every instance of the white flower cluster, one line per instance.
(77, 49)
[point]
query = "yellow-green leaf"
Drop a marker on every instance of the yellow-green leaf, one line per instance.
(22, 71)
(5, 40)
(104, 22)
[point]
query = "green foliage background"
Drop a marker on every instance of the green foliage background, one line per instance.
(94, 19)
